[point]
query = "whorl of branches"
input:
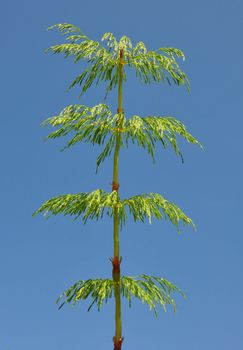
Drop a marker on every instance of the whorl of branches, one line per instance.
(98, 126)
(95, 204)
(158, 65)
(149, 289)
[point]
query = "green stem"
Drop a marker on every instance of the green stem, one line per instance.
(115, 186)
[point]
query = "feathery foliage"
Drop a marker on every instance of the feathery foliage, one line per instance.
(154, 206)
(158, 65)
(95, 204)
(97, 125)
(90, 205)
(99, 290)
(88, 124)
(147, 131)
(149, 289)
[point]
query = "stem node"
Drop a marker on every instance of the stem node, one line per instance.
(116, 261)
(117, 343)
(115, 186)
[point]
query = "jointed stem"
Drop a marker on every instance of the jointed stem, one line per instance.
(115, 185)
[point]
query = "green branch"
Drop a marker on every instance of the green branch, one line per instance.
(95, 204)
(158, 65)
(148, 289)
(96, 125)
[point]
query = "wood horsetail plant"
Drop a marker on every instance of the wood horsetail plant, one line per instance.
(98, 125)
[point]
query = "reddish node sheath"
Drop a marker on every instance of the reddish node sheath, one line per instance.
(115, 186)
(115, 264)
(121, 53)
(117, 343)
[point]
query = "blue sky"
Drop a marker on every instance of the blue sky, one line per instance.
(39, 259)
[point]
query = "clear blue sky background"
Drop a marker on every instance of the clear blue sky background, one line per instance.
(39, 259)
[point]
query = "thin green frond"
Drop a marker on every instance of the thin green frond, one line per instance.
(172, 52)
(98, 290)
(111, 43)
(65, 28)
(88, 124)
(103, 62)
(97, 124)
(154, 206)
(155, 66)
(106, 151)
(84, 49)
(93, 205)
(158, 65)
(147, 131)
(149, 289)
(125, 44)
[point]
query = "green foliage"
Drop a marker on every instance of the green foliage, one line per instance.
(99, 290)
(158, 65)
(149, 289)
(153, 205)
(90, 205)
(151, 129)
(95, 204)
(88, 124)
(97, 124)
(82, 48)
